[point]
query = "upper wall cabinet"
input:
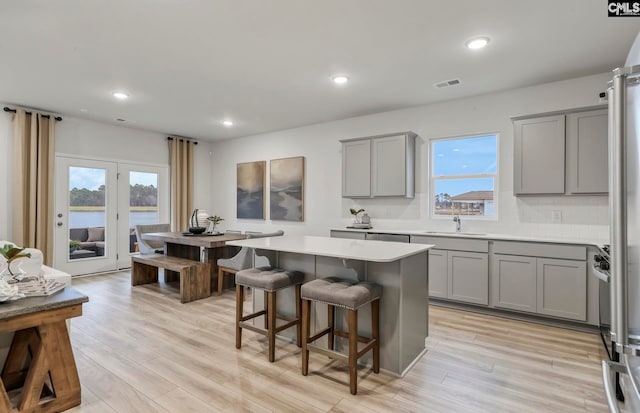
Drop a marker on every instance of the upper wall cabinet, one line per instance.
(587, 152)
(379, 166)
(539, 155)
(562, 153)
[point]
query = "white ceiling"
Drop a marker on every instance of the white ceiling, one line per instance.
(267, 64)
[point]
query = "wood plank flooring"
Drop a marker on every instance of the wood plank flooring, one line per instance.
(139, 350)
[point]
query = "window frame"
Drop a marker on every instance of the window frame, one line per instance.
(433, 178)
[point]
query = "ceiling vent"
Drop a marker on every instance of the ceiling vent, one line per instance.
(447, 83)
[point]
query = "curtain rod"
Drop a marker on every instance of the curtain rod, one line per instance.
(182, 139)
(7, 109)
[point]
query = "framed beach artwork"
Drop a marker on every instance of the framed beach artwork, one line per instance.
(287, 189)
(250, 190)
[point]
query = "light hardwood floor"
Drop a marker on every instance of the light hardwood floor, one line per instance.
(139, 350)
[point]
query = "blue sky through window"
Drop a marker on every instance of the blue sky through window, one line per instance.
(465, 156)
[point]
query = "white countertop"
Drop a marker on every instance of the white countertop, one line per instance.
(474, 235)
(376, 251)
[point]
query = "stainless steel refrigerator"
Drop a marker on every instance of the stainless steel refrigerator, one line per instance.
(624, 207)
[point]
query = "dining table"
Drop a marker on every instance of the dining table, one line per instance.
(207, 248)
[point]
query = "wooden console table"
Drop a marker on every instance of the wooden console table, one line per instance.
(40, 359)
(206, 249)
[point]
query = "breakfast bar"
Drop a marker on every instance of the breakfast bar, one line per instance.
(401, 270)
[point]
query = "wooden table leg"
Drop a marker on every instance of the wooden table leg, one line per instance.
(51, 357)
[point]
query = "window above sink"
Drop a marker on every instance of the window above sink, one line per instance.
(463, 178)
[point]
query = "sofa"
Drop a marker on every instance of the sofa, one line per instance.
(32, 266)
(91, 242)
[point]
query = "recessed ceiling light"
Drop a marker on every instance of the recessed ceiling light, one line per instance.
(84, 110)
(477, 43)
(227, 123)
(120, 95)
(340, 79)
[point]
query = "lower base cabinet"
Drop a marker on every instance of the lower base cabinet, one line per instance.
(562, 288)
(554, 287)
(458, 275)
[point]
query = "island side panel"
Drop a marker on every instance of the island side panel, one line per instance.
(403, 310)
(414, 312)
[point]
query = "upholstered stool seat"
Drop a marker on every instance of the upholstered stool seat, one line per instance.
(351, 295)
(271, 280)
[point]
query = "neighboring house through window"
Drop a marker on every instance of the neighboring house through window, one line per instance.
(464, 173)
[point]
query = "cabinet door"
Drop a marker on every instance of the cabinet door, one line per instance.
(389, 167)
(356, 169)
(539, 155)
(587, 152)
(513, 282)
(437, 273)
(347, 234)
(562, 288)
(468, 277)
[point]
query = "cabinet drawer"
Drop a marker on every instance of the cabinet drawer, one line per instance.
(347, 234)
(534, 249)
(453, 244)
(388, 237)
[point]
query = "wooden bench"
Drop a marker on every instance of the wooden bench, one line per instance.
(195, 281)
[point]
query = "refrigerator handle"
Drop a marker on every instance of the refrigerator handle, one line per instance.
(609, 387)
(618, 203)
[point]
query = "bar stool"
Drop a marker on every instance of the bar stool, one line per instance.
(271, 280)
(336, 292)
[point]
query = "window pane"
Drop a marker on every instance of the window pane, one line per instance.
(472, 196)
(143, 202)
(465, 156)
(87, 212)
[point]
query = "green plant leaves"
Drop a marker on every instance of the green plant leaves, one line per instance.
(11, 252)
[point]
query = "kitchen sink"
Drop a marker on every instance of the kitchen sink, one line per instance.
(453, 233)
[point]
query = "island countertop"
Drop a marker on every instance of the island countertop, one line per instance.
(375, 251)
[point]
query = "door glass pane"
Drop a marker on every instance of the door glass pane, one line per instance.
(87, 196)
(143, 202)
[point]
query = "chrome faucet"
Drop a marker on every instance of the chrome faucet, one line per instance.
(458, 222)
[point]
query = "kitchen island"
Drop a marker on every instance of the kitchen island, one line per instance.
(401, 270)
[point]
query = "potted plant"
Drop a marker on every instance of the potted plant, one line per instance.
(11, 253)
(214, 220)
(355, 213)
(74, 245)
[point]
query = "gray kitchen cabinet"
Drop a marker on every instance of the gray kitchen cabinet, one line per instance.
(379, 166)
(356, 169)
(587, 152)
(347, 234)
(389, 172)
(514, 282)
(438, 285)
(458, 268)
(539, 155)
(468, 277)
(562, 288)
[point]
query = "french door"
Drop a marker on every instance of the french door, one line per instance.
(98, 204)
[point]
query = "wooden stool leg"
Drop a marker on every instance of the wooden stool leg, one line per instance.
(271, 315)
(298, 316)
(306, 318)
(353, 351)
(331, 312)
(239, 310)
(266, 310)
(220, 280)
(375, 334)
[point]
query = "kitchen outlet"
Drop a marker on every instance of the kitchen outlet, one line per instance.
(556, 216)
